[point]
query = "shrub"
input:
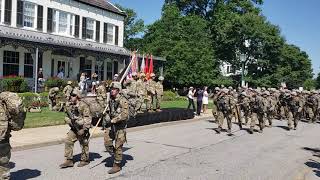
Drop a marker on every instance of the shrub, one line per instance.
(14, 84)
(55, 82)
(34, 100)
(172, 96)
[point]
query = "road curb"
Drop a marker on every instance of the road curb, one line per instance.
(101, 134)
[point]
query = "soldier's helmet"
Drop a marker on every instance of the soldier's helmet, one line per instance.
(314, 92)
(161, 78)
(76, 92)
(55, 89)
(116, 85)
(230, 88)
(69, 82)
(294, 93)
(142, 75)
(267, 93)
(243, 94)
(217, 89)
(152, 75)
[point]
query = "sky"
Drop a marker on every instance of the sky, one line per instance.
(298, 20)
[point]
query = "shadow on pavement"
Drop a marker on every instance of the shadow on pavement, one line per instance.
(315, 165)
(12, 165)
(315, 151)
(92, 157)
(24, 174)
(109, 160)
(284, 127)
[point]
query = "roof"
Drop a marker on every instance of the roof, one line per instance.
(103, 4)
(40, 37)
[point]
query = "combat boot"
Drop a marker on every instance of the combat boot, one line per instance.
(251, 130)
(67, 164)
(83, 163)
(218, 130)
(229, 131)
(116, 168)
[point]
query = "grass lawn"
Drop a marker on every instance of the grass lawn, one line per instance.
(45, 118)
(51, 118)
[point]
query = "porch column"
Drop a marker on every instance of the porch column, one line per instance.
(1, 63)
(21, 62)
(93, 66)
(105, 64)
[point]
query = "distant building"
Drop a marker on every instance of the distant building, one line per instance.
(72, 36)
(226, 69)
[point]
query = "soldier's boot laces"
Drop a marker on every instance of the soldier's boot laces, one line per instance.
(116, 168)
(83, 163)
(67, 164)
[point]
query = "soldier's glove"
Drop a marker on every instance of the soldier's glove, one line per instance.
(81, 132)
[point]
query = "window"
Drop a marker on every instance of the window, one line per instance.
(77, 26)
(0, 8)
(115, 67)
(63, 22)
(110, 34)
(116, 41)
(28, 14)
(90, 28)
(7, 11)
(87, 67)
(109, 71)
(28, 65)
(10, 63)
(71, 25)
(54, 20)
(40, 18)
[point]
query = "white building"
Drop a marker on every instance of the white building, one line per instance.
(227, 70)
(72, 36)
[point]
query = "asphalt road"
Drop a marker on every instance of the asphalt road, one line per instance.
(189, 150)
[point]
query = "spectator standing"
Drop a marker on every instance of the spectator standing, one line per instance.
(190, 98)
(199, 100)
(205, 100)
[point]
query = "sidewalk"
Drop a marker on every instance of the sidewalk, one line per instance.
(45, 136)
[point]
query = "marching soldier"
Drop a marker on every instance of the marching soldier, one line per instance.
(224, 110)
(141, 90)
(12, 117)
(79, 119)
(297, 104)
(67, 90)
(311, 104)
(257, 113)
(245, 106)
(52, 97)
(215, 103)
(267, 108)
(119, 114)
(159, 92)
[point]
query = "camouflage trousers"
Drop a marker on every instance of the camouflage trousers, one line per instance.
(289, 115)
(221, 116)
(215, 112)
(159, 99)
(311, 114)
(72, 137)
(5, 155)
(257, 117)
(140, 101)
(246, 116)
(150, 100)
(119, 138)
(268, 116)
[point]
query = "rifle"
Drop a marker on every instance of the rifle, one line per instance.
(73, 118)
(238, 115)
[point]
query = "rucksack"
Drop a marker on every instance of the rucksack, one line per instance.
(15, 108)
(96, 109)
(132, 103)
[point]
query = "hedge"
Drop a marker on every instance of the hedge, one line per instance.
(34, 100)
(14, 84)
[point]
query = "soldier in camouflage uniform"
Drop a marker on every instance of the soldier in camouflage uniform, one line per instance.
(159, 93)
(12, 116)
(257, 112)
(245, 106)
(151, 93)
(311, 104)
(119, 114)
(267, 108)
(297, 106)
(79, 119)
(215, 103)
(224, 110)
(102, 94)
(141, 91)
(67, 90)
(52, 97)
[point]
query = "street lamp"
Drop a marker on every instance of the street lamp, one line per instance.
(243, 59)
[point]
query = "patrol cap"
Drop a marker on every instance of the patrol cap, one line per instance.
(69, 82)
(161, 78)
(55, 89)
(230, 88)
(314, 92)
(134, 74)
(116, 85)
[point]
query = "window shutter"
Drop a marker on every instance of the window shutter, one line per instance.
(105, 32)
(117, 36)
(40, 18)
(97, 31)
(50, 19)
(84, 28)
(77, 26)
(19, 13)
(7, 11)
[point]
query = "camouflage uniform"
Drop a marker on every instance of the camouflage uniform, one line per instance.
(67, 91)
(119, 114)
(80, 125)
(7, 124)
(224, 111)
(215, 104)
(159, 93)
(245, 107)
(52, 97)
(151, 93)
(141, 91)
(297, 106)
(267, 109)
(257, 113)
(102, 95)
(311, 104)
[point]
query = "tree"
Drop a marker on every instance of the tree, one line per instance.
(133, 27)
(318, 81)
(183, 40)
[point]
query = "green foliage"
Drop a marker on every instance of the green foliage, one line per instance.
(45, 118)
(132, 28)
(171, 96)
(14, 84)
(34, 100)
(309, 84)
(183, 40)
(318, 81)
(55, 82)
